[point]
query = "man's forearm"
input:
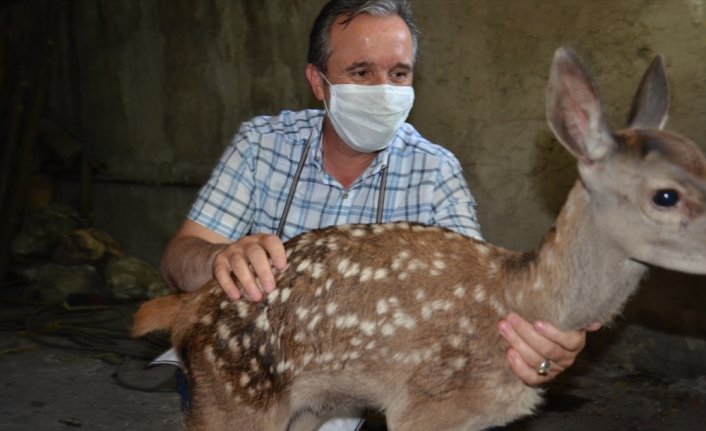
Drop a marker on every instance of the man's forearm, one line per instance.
(187, 263)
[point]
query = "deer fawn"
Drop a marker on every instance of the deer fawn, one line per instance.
(402, 317)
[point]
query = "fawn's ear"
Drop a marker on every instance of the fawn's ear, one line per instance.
(574, 109)
(651, 103)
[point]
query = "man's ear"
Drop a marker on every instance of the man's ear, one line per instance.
(315, 81)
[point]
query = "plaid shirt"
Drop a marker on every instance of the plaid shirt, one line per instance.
(248, 188)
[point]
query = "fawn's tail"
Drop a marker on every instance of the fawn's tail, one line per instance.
(158, 314)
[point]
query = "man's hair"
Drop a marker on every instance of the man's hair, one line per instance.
(319, 46)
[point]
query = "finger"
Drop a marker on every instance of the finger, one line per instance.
(593, 327)
(242, 272)
(275, 250)
(549, 342)
(261, 265)
(530, 357)
(527, 373)
(222, 272)
(572, 341)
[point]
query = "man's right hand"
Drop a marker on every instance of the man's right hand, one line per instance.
(197, 254)
(250, 260)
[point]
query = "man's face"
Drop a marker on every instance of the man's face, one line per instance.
(371, 50)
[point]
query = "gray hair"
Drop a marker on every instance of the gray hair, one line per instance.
(319, 48)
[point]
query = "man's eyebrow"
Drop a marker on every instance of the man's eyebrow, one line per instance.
(359, 65)
(365, 64)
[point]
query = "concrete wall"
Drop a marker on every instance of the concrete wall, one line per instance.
(160, 86)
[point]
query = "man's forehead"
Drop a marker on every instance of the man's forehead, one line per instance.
(371, 35)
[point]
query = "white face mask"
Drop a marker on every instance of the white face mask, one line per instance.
(367, 117)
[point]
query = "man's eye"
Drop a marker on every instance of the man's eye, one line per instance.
(360, 73)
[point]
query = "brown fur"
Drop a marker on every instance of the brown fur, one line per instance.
(402, 317)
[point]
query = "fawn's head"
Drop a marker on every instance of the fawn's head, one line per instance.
(647, 186)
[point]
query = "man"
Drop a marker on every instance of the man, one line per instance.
(355, 162)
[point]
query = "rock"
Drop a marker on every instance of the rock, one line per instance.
(132, 278)
(90, 246)
(41, 231)
(56, 282)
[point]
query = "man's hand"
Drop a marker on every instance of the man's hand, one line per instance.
(530, 344)
(250, 260)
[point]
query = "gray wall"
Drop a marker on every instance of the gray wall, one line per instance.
(158, 87)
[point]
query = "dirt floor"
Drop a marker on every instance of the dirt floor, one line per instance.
(48, 388)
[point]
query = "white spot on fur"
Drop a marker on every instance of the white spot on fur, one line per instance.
(207, 319)
(465, 324)
(538, 284)
(420, 294)
(208, 353)
(223, 331)
(380, 274)
(492, 269)
(234, 346)
(317, 270)
(262, 322)
(438, 305)
(387, 329)
(402, 276)
(358, 233)
(416, 264)
(479, 293)
(378, 229)
(497, 306)
(382, 307)
(244, 380)
(347, 321)
(343, 265)
(370, 345)
(367, 327)
(302, 313)
(331, 308)
(243, 309)
(285, 294)
(403, 319)
(304, 265)
(439, 264)
(328, 284)
(353, 270)
(455, 341)
(401, 257)
(459, 363)
(274, 296)
(366, 274)
(314, 321)
(460, 291)
(246, 341)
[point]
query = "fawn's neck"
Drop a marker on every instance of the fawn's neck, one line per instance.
(578, 275)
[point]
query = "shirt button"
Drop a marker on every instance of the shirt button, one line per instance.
(345, 196)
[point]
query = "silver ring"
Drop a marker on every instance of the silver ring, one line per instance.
(543, 368)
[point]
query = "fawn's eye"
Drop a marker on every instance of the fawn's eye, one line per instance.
(666, 198)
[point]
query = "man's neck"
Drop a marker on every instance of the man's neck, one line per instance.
(340, 161)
